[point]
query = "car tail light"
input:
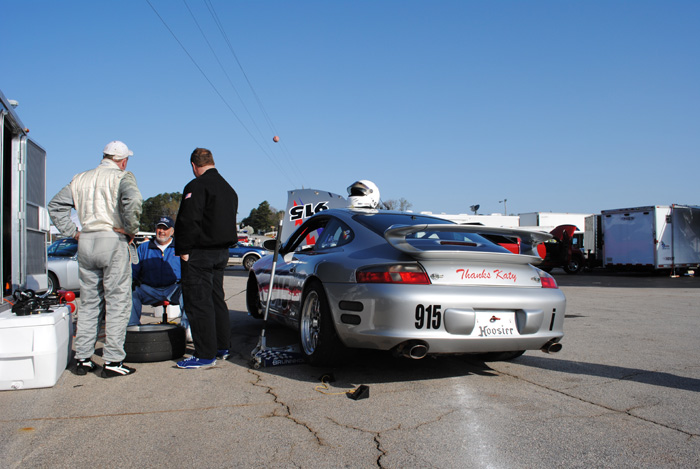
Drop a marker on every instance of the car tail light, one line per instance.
(398, 273)
(547, 280)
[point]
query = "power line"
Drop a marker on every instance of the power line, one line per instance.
(265, 114)
(223, 69)
(217, 91)
(235, 89)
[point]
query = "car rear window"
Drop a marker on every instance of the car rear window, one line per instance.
(379, 222)
(429, 240)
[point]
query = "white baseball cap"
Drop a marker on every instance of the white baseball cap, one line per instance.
(117, 150)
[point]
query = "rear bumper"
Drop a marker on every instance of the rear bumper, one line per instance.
(382, 316)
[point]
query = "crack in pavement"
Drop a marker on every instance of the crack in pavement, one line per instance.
(126, 414)
(603, 406)
(286, 411)
(377, 435)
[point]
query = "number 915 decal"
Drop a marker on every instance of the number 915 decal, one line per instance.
(428, 317)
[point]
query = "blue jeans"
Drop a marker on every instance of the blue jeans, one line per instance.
(147, 295)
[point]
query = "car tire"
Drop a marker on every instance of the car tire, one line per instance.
(574, 266)
(499, 356)
(154, 343)
(319, 339)
(249, 260)
(252, 298)
(53, 285)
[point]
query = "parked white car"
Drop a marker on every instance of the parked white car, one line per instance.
(62, 264)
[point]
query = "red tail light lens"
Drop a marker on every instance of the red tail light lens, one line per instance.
(401, 273)
(547, 280)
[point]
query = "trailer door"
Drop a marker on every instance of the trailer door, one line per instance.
(684, 237)
(629, 238)
(36, 217)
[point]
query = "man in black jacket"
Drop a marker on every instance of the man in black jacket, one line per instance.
(206, 227)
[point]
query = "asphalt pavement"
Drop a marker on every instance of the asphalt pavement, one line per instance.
(623, 392)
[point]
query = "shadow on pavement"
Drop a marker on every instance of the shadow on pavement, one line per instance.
(655, 378)
(625, 280)
(360, 366)
(371, 367)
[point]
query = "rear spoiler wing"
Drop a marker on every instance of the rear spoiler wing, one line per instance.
(396, 236)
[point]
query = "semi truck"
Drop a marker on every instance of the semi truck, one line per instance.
(23, 215)
(651, 238)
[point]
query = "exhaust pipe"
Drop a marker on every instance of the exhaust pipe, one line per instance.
(414, 349)
(551, 347)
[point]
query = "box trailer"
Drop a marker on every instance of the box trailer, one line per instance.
(660, 237)
(23, 215)
(35, 344)
(550, 220)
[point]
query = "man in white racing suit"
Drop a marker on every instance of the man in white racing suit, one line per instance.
(108, 203)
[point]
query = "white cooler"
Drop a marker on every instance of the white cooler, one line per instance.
(34, 349)
(172, 311)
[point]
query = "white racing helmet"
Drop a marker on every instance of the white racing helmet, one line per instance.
(363, 194)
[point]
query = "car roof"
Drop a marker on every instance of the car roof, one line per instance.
(355, 212)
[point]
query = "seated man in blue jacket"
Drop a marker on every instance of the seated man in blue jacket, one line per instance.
(156, 277)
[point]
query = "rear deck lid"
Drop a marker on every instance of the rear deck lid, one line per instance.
(481, 274)
(458, 254)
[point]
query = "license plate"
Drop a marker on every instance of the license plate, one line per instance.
(496, 325)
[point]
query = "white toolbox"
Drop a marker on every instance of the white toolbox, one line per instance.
(34, 349)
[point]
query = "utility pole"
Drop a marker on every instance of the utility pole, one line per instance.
(505, 206)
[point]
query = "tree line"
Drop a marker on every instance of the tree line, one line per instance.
(264, 218)
(167, 204)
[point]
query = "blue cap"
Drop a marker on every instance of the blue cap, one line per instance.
(167, 221)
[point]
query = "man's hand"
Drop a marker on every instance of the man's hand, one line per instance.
(185, 257)
(128, 235)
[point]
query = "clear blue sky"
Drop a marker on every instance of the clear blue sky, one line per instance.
(564, 106)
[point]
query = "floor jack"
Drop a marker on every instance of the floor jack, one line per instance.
(262, 355)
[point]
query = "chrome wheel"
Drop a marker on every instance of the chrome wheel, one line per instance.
(310, 327)
(53, 285)
(317, 334)
(248, 261)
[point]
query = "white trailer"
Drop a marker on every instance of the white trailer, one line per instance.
(495, 220)
(23, 215)
(550, 220)
(660, 237)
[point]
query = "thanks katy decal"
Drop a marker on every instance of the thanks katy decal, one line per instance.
(496, 274)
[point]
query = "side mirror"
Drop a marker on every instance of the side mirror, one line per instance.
(269, 244)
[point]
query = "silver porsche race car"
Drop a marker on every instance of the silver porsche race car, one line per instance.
(410, 283)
